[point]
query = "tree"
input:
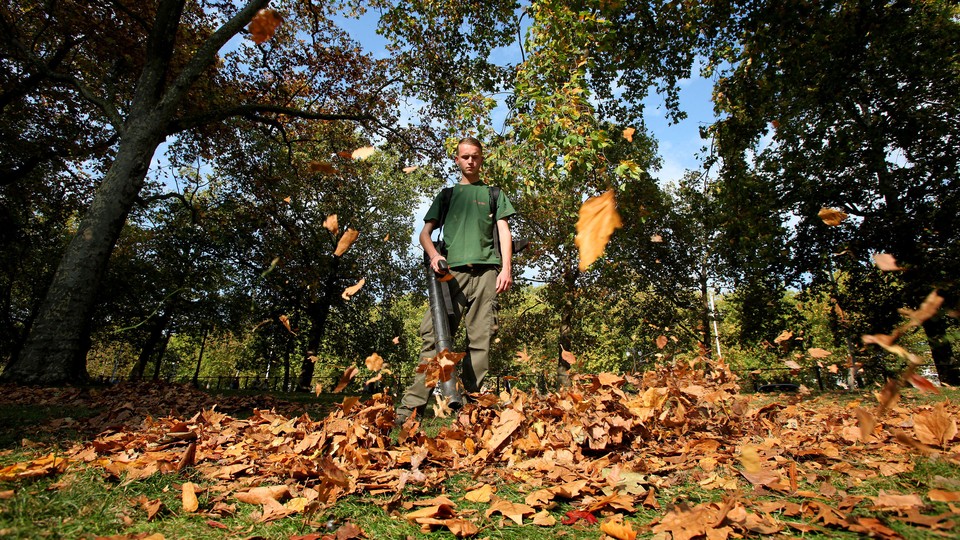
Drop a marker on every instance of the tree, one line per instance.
(176, 83)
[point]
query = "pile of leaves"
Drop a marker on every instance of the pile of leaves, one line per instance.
(605, 447)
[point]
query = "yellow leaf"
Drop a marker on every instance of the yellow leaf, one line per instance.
(263, 25)
(331, 224)
(617, 528)
(832, 216)
(886, 262)
(352, 290)
(598, 219)
(189, 497)
(374, 362)
(363, 153)
(287, 200)
(628, 134)
(480, 495)
(347, 240)
(750, 459)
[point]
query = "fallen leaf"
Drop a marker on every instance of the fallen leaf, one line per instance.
(832, 216)
(940, 495)
(263, 494)
(750, 459)
(598, 218)
(347, 240)
(574, 516)
(935, 427)
(330, 224)
(480, 495)
(816, 352)
(661, 341)
(353, 289)
(616, 527)
(511, 510)
(263, 25)
(189, 497)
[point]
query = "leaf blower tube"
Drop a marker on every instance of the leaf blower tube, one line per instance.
(441, 329)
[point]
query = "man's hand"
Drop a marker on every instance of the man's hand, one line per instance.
(435, 264)
(504, 280)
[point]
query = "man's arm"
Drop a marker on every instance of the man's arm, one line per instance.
(505, 277)
(428, 246)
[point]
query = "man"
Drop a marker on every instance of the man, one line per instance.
(479, 272)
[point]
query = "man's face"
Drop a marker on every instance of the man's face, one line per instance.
(469, 158)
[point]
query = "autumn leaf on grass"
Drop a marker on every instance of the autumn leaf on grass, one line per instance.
(482, 494)
(936, 427)
(331, 224)
(940, 495)
(598, 219)
(189, 497)
(574, 516)
(832, 216)
(322, 167)
(816, 352)
(285, 321)
(363, 153)
(628, 134)
(793, 365)
(886, 262)
(353, 289)
(461, 528)
(514, 511)
(374, 362)
(263, 494)
(263, 25)
(148, 506)
(508, 422)
(661, 342)
(616, 527)
(345, 379)
(347, 240)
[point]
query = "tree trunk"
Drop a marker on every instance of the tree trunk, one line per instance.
(196, 372)
(160, 355)
(156, 335)
(948, 367)
(317, 312)
(55, 351)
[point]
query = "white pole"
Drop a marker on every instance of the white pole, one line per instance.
(713, 317)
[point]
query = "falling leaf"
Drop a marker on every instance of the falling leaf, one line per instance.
(597, 221)
(656, 238)
(785, 335)
(263, 25)
(922, 383)
(330, 224)
(363, 152)
(818, 353)
(567, 356)
(347, 240)
(480, 495)
(616, 527)
(886, 262)
(750, 459)
(287, 200)
(322, 167)
(285, 321)
(661, 341)
(374, 362)
(792, 365)
(410, 169)
(396, 340)
(523, 357)
(189, 497)
(867, 423)
(935, 427)
(353, 289)
(318, 389)
(345, 379)
(832, 216)
(628, 134)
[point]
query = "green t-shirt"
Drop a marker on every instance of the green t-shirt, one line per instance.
(468, 229)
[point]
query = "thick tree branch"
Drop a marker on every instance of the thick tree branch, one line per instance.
(252, 110)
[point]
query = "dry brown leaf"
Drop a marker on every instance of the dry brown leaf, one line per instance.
(616, 527)
(353, 289)
(661, 341)
(263, 494)
(543, 518)
(832, 216)
(347, 240)
(940, 495)
(598, 219)
(792, 364)
(568, 356)
(750, 459)
(936, 427)
(331, 224)
(322, 167)
(363, 152)
(656, 238)
(785, 335)
(396, 340)
(263, 25)
(482, 494)
(867, 423)
(461, 528)
(410, 169)
(930, 306)
(817, 352)
(189, 457)
(886, 262)
(506, 424)
(188, 496)
(318, 389)
(285, 321)
(511, 510)
(374, 362)
(345, 379)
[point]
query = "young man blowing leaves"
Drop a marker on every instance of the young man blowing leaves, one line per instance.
(479, 272)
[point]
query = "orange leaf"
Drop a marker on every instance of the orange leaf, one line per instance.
(514, 511)
(263, 25)
(353, 289)
(189, 497)
(922, 383)
(785, 335)
(322, 167)
(886, 262)
(347, 240)
(264, 494)
(818, 353)
(656, 238)
(286, 323)
(363, 153)
(410, 169)
(345, 379)
(617, 528)
(792, 365)
(318, 389)
(331, 224)
(832, 216)
(661, 342)
(598, 219)
(940, 495)
(568, 356)
(628, 134)
(374, 362)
